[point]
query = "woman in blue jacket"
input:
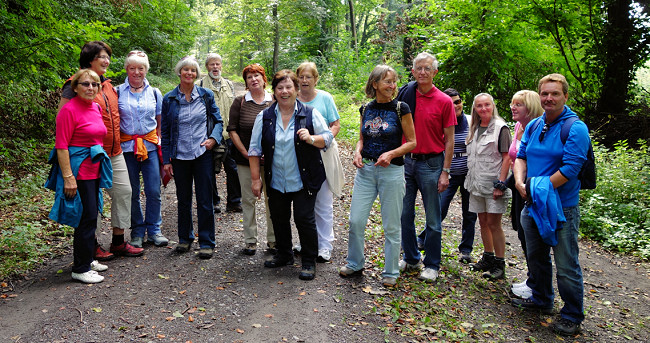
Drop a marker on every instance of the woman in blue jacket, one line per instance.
(191, 126)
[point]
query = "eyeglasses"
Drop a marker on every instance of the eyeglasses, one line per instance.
(103, 57)
(425, 69)
(89, 84)
(544, 129)
(137, 53)
(517, 105)
(457, 102)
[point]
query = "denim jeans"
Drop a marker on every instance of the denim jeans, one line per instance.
(423, 176)
(369, 182)
(199, 171)
(233, 188)
(150, 169)
(569, 272)
(303, 215)
(457, 182)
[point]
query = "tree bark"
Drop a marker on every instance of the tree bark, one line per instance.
(276, 38)
(353, 27)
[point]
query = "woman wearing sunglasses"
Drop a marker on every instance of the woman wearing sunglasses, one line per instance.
(79, 139)
(140, 106)
(488, 163)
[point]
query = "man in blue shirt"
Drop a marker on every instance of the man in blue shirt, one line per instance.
(543, 154)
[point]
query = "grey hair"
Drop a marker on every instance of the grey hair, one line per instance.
(134, 57)
(212, 56)
(188, 61)
(424, 56)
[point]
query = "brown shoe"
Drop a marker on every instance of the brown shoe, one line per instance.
(102, 255)
(126, 249)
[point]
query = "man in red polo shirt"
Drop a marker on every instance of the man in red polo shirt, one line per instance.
(426, 168)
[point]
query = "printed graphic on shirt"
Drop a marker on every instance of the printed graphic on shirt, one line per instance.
(373, 126)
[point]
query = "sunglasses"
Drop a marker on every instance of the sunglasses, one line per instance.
(137, 52)
(544, 129)
(87, 84)
(458, 102)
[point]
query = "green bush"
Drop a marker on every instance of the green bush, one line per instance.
(616, 213)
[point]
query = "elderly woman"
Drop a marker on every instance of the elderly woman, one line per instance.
(488, 162)
(187, 111)
(140, 106)
(290, 135)
(380, 171)
(525, 106)
(243, 111)
(80, 134)
(324, 103)
(96, 55)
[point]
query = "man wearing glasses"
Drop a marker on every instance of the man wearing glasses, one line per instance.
(545, 161)
(427, 167)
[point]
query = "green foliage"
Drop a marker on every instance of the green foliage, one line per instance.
(616, 213)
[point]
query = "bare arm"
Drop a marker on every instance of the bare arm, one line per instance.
(443, 181)
(358, 160)
(505, 163)
(256, 182)
(520, 170)
(335, 127)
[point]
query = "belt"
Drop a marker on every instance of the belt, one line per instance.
(421, 157)
(460, 154)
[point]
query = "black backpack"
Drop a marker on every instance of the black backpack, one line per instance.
(587, 175)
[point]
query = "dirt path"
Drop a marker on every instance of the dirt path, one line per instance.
(166, 297)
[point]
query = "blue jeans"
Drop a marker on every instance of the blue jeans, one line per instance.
(369, 182)
(150, 169)
(199, 171)
(457, 182)
(569, 272)
(423, 176)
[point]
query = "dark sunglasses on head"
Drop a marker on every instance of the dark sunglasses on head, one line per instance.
(137, 52)
(457, 102)
(88, 84)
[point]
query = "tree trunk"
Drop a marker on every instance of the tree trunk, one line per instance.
(276, 38)
(353, 27)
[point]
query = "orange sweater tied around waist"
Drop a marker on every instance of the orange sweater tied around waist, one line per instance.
(139, 149)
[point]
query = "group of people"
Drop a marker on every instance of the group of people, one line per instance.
(422, 140)
(417, 139)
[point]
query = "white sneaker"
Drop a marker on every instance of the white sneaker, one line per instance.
(407, 267)
(98, 267)
(520, 284)
(297, 248)
(428, 275)
(523, 292)
(90, 276)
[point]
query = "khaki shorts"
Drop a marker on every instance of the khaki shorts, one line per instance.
(478, 204)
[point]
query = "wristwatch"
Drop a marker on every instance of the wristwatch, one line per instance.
(447, 170)
(312, 140)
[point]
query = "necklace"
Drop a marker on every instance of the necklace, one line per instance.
(136, 88)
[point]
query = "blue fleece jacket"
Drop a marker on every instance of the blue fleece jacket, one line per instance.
(68, 211)
(550, 155)
(546, 209)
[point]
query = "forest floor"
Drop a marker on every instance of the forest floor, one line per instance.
(169, 297)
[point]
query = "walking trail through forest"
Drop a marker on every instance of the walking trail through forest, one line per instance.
(169, 297)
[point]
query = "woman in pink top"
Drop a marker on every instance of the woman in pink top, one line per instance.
(525, 106)
(79, 124)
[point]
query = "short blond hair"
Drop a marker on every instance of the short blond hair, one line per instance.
(554, 78)
(304, 66)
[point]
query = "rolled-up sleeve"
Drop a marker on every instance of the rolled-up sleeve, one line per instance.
(321, 128)
(255, 148)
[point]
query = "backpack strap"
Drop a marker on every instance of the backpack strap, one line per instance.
(399, 114)
(566, 127)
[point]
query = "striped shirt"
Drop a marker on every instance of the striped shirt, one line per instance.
(459, 162)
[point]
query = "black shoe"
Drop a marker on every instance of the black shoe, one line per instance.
(278, 262)
(183, 247)
(497, 272)
(271, 249)
(250, 249)
(465, 258)
(234, 208)
(566, 327)
(307, 273)
(217, 209)
(529, 304)
(206, 253)
(484, 264)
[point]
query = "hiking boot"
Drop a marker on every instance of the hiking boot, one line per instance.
(98, 267)
(206, 253)
(566, 327)
(405, 267)
(236, 208)
(102, 255)
(465, 258)
(324, 256)
(158, 240)
(307, 273)
(389, 282)
(346, 271)
(529, 305)
(250, 249)
(277, 262)
(497, 271)
(137, 241)
(90, 276)
(126, 249)
(428, 275)
(183, 247)
(484, 264)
